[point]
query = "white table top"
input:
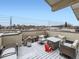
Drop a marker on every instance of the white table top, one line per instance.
(53, 39)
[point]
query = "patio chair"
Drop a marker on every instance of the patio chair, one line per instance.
(69, 48)
(47, 48)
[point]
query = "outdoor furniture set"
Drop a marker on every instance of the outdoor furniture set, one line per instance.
(66, 47)
(69, 48)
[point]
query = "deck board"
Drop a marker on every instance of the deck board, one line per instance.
(36, 51)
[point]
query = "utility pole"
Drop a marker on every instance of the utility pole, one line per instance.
(49, 27)
(10, 22)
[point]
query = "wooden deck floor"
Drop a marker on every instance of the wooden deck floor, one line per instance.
(37, 52)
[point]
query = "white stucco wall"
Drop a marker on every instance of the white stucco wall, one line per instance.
(11, 40)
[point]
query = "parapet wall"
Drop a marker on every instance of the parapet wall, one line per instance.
(12, 40)
(9, 40)
(68, 35)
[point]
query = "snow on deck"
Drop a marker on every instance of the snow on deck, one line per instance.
(36, 51)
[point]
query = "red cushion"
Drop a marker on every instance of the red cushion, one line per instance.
(47, 48)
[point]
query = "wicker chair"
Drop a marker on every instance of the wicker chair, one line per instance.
(69, 48)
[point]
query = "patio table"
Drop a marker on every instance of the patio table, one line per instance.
(53, 42)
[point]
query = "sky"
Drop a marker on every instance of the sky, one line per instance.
(34, 12)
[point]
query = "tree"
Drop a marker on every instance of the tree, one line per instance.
(65, 24)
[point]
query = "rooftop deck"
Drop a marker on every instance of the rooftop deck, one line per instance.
(36, 51)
